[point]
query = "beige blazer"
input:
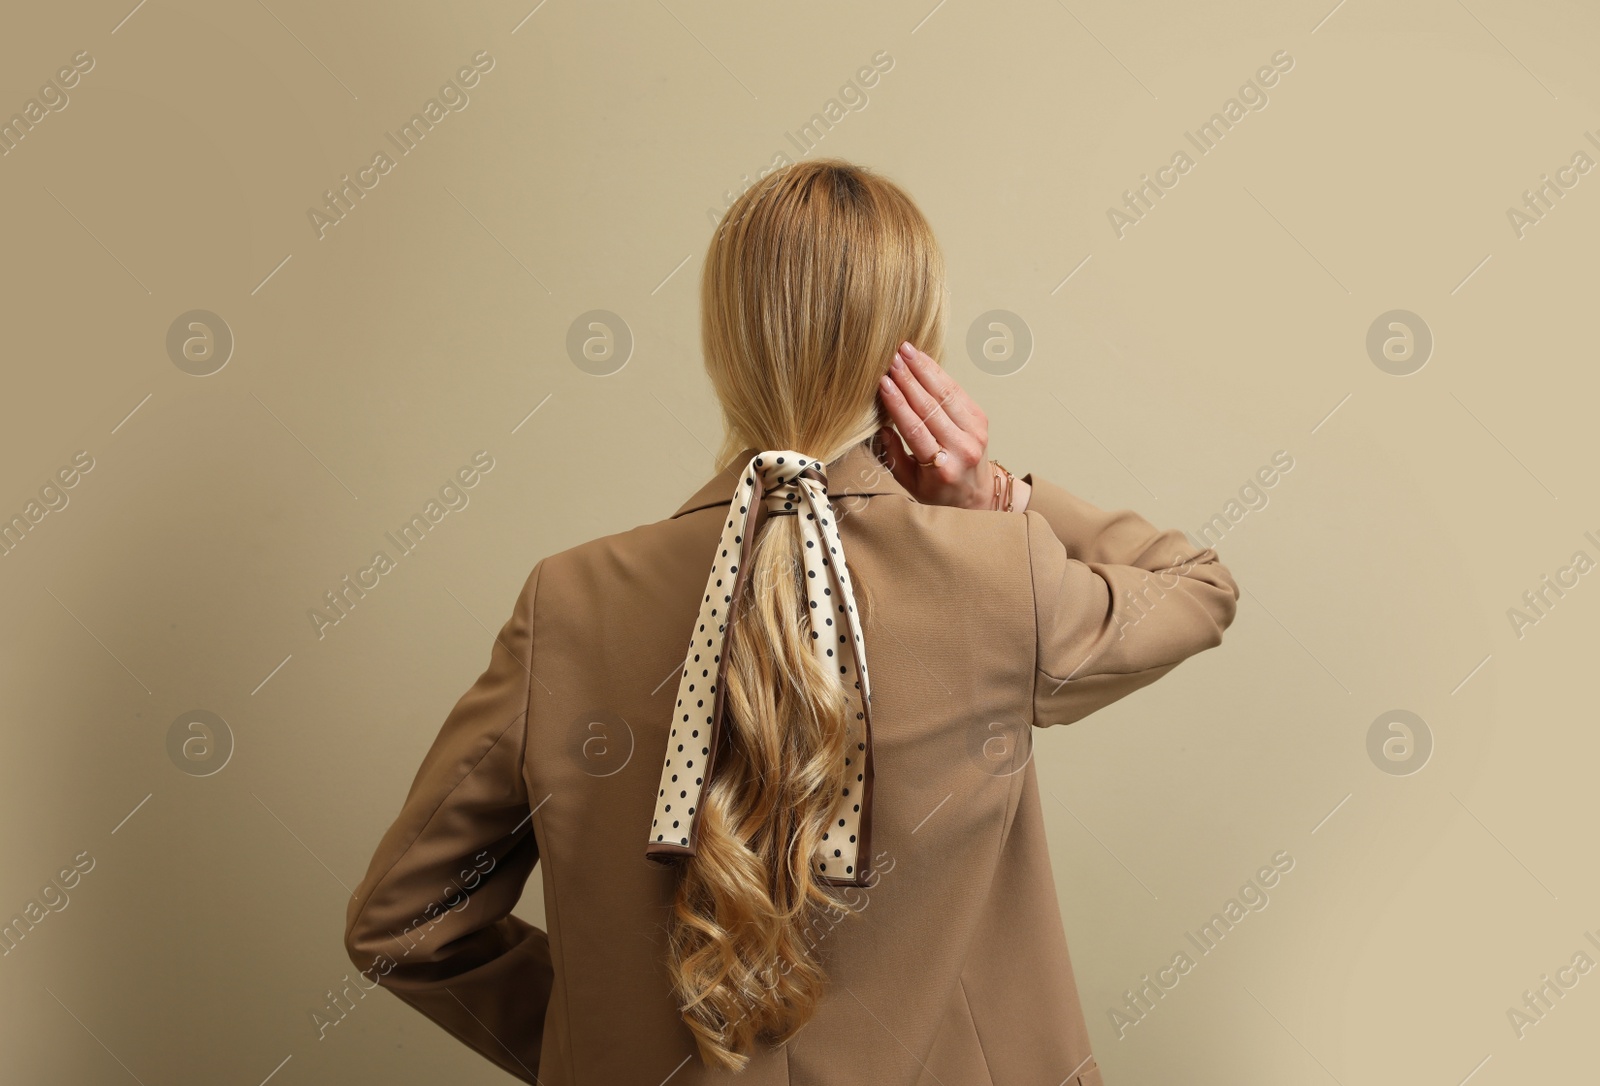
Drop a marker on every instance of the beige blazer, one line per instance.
(951, 969)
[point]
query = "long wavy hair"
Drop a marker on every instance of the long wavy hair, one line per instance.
(814, 277)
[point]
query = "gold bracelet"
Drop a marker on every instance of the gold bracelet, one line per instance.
(1010, 482)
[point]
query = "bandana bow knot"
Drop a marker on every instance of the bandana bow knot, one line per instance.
(788, 483)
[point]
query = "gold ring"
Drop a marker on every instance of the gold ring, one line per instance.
(935, 460)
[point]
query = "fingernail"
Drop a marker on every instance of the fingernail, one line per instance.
(885, 383)
(908, 350)
(897, 364)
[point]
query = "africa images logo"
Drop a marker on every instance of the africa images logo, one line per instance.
(1140, 200)
(452, 98)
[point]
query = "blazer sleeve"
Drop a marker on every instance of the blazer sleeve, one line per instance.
(431, 920)
(1118, 602)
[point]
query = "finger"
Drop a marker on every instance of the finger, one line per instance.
(906, 420)
(932, 417)
(901, 465)
(948, 391)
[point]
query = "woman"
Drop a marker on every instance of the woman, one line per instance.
(806, 847)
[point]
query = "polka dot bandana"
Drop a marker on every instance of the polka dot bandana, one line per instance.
(788, 484)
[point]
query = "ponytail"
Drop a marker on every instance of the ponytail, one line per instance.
(812, 279)
(742, 966)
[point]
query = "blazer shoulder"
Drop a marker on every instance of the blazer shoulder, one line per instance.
(968, 527)
(969, 547)
(645, 536)
(622, 558)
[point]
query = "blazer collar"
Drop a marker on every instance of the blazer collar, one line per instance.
(856, 471)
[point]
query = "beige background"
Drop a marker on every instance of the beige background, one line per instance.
(1168, 367)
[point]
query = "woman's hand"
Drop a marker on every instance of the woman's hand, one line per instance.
(932, 412)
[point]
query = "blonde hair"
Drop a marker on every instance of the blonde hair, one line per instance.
(814, 277)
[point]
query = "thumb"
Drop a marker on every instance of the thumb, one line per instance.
(894, 451)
